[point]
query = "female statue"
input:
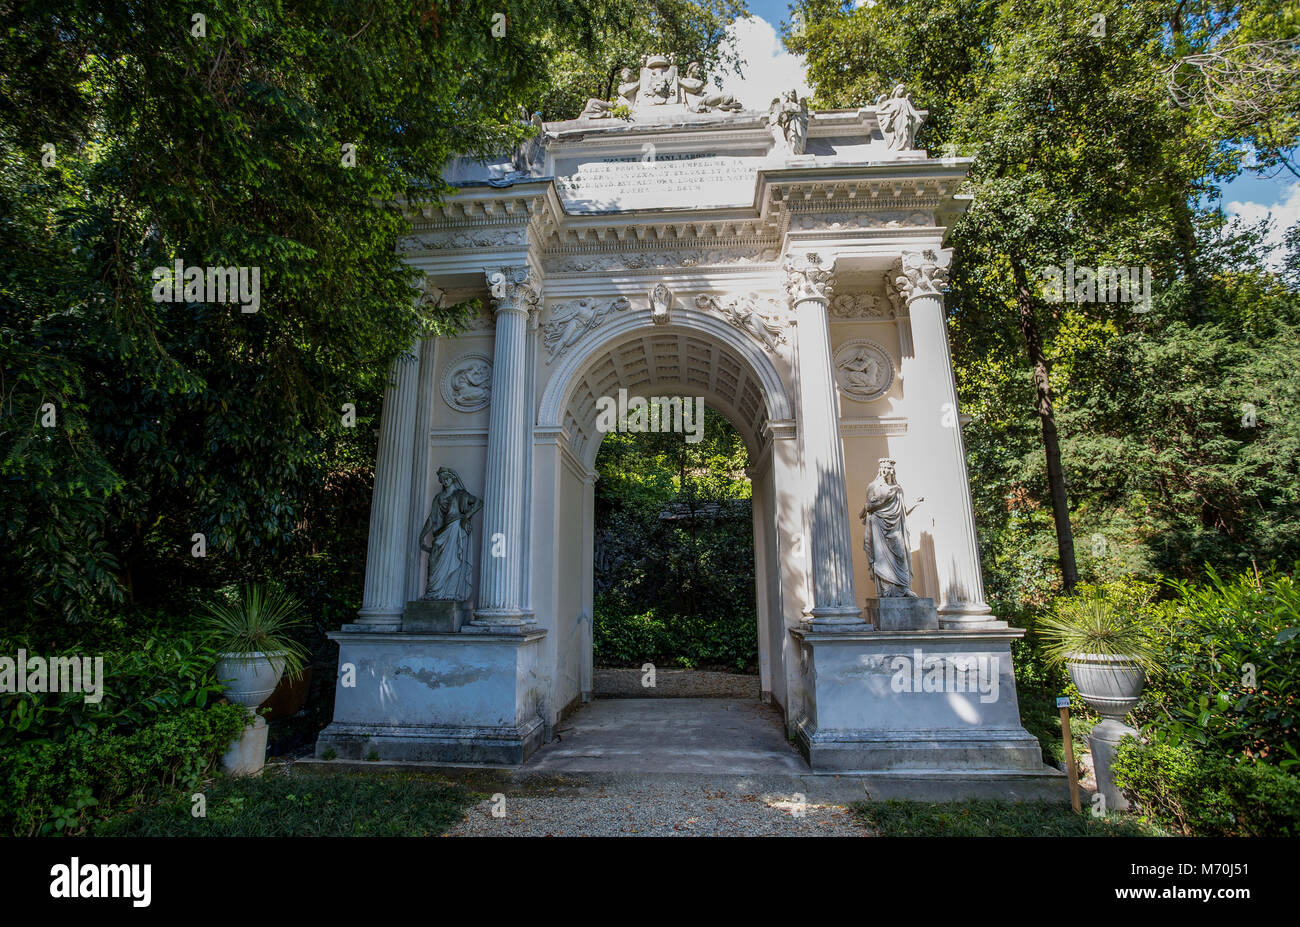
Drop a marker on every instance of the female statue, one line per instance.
(886, 543)
(448, 549)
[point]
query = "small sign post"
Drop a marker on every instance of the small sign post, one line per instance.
(1063, 703)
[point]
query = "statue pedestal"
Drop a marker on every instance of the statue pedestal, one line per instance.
(922, 701)
(438, 698)
(902, 614)
(435, 617)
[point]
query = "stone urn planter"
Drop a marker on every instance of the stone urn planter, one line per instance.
(1111, 685)
(252, 677)
(251, 631)
(1105, 649)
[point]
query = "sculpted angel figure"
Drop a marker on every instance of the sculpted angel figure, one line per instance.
(627, 90)
(899, 119)
(788, 120)
(572, 321)
(886, 542)
(697, 97)
(448, 529)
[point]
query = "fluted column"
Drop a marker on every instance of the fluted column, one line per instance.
(937, 456)
(808, 283)
(500, 592)
(384, 594)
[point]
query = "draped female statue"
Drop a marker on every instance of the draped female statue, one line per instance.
(448, 550)
(886, 543)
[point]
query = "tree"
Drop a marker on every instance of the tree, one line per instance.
(272, 137)
(1080, 154)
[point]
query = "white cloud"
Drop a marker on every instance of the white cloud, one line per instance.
(769, 69)
(1281, 216)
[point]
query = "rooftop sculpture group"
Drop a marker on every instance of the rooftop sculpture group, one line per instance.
(659, 87)
(660, 84)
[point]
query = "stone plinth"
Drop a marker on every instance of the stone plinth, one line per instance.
(443, 698)
(437, 617)
(902, 614)
(912, 700)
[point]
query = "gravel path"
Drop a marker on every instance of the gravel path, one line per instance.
(649, 810)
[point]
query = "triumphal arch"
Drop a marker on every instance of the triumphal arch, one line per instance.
(788, 267)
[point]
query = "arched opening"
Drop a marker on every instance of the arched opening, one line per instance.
(675, 593)
(698, 358)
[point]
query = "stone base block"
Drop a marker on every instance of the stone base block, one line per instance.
(493, 746)
(1103, 742)
(881, 751)
(911, 700)
(902, 614)
(442, 698)
(429, 616)
(247, 753)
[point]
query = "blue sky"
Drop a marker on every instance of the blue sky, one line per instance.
(772, 69)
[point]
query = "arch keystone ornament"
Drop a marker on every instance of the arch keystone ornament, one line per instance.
(874, 639)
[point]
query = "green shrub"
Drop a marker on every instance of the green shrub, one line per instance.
(145, 677)
(1201, 794)
(1230, 655)
(60, 787)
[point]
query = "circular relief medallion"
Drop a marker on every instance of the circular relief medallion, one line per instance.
(467, 382)
(863, 370)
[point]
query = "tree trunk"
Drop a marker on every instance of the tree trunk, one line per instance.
(1047, 417)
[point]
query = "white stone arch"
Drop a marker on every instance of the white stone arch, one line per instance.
(573, 558)
(629, 327)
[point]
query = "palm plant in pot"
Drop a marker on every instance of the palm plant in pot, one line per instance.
(252, 632)
(1105, 645)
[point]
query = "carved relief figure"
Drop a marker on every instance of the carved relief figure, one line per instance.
(661, 299)
(697, 97)
(788, 120)
(745, 313)
(467, 383)
(627, 90)
(658, 84)
(570, 321)
(861, 371)
(899, 119)
(448, 528)
(886, 543)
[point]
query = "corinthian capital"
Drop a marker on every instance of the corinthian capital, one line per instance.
(917, 273)
(806, 278)
(513, 288)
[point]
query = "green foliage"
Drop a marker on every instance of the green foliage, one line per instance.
(1192, 792)
(129, 425)
(1099, 621)
(619, 33)
(146, 676)
(1178, 426)
(1230, 650)
(675, 550)
(295, 804)
(61, 788)
(258, 619)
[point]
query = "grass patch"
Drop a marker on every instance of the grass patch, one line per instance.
(305, 804)
(987, 818)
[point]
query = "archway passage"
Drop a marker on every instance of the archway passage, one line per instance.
(674, 560)
(699, 360)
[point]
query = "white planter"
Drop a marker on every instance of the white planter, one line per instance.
(249, 678)
(1110, 685)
